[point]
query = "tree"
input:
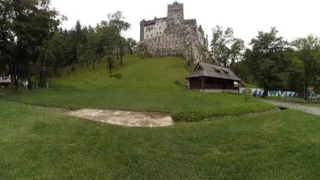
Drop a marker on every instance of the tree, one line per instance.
(267, 59)
(225, 49)
(26, 29)
(132, 45)
(87, 57)
(57, 46)
(307, 54)
(117, 20)
(241, 68)
(110, 64)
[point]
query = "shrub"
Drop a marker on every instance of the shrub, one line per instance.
(144, 55)
(58, 74)
(118, 76)
(73, 68)
(191, 115)
(180, 83)
(247, 93)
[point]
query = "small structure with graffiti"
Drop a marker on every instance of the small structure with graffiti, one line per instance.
(278, 93)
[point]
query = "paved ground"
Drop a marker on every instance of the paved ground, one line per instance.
(125, 118)
(295, 106)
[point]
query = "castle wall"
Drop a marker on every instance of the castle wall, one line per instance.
(154, 30)
(173, 36)
(179, 40)
(201, 38)
(175, 11)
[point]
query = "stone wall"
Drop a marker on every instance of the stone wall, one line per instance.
(154, 30)
(177, 40)
(175, 11)
(173, 36)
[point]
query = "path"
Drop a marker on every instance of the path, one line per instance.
(300, 107)
(125, 118)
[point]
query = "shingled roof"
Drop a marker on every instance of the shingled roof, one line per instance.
(210, 70)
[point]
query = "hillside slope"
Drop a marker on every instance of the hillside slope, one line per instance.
(138, 75)
(152, 84)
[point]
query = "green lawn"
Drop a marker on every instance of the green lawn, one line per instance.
(146, 85)
(38, 143)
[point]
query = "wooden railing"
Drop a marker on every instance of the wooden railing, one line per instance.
(208, 86)
(233, 87)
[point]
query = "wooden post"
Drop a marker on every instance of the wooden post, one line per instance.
(202, 79)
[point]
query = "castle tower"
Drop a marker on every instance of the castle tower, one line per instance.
(142, 30)
(175, 11)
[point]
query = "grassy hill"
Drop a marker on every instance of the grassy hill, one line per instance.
(153, 75)
(152, 84)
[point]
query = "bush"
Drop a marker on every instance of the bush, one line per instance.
(58, 74)
(118, 76)
(247, 93)
(144, 55)
(191, 115)
(180, 83)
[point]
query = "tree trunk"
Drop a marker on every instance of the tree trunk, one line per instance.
(93, 65)
(120, 49)
(265, 93)
(110, 70)
(15, 78)
(29, 82)
(305, 91)
(55, 71)
(117, 54)
(16, 81)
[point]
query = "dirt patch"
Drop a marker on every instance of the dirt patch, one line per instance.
(125, 118)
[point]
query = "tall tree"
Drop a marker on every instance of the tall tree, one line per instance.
(117, 20)
(268, 59)
(225, 49)
(307, 55)
(132, 45)
(27, 27)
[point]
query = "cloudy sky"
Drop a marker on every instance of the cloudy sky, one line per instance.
(293, 18)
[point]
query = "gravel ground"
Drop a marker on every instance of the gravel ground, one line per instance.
(307, 109)
(125, 118)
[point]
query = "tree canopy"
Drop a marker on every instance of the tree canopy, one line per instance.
(32, 46)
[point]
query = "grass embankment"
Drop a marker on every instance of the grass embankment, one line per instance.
(38, 143)
(154, 84)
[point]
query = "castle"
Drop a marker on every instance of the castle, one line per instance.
(173, 35)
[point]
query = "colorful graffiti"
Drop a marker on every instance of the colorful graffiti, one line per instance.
(274, 93)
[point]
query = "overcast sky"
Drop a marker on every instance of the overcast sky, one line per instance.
(293, 18)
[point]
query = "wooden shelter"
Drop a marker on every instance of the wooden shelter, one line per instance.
(5, 82)
(209, 77)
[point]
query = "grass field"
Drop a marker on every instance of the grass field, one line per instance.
(146, 85)
(37, 143)
(41, 143)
